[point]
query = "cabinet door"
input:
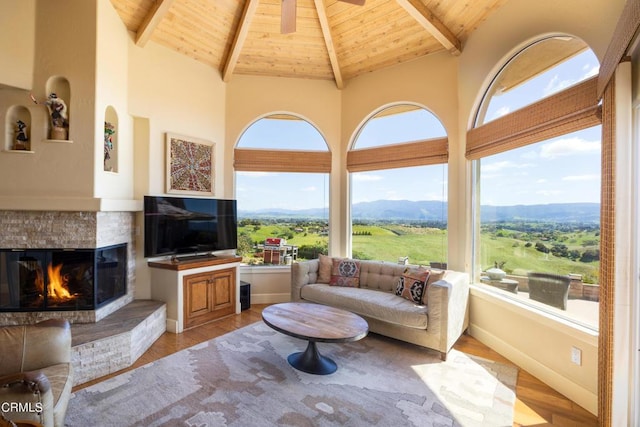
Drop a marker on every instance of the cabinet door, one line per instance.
(224, 292)
(198, 298)
(209, 296)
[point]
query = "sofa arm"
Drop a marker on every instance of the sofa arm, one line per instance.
(27, 396)
(303, 273)
(448, 301)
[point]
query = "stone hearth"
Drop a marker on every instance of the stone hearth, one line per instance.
(116, 341)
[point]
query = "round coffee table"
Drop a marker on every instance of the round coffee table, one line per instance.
(314, 323)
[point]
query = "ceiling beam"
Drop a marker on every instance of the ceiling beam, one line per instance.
(239, 38)
(328, 41)
(157, 12)
(432, 24)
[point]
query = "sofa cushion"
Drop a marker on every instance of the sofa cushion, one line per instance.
(325, 265)
(384, 306)
(435, 274)
(345, 272)
(412, 285)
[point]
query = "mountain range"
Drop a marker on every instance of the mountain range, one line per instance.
(381, 210)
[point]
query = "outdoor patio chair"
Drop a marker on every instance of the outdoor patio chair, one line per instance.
(550, 289)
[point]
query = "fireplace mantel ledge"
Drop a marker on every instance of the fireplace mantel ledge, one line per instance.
(83, 204)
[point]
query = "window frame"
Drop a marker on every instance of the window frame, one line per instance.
(572, 109)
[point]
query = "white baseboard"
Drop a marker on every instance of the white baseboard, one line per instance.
(555, 380)
(172, 326)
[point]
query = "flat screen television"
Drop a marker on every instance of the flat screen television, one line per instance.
(188, 225)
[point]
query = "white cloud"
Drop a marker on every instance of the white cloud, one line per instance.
(592, 177)
(548, 193)
(498, 166)
(541, 181)
(556, 85)
(568, 147)
(590, 70)
(392, 195)
(503, 111)
(310, 188)
(366, 177)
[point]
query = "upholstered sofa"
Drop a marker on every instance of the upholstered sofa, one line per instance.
(436, 324)
(36, 375)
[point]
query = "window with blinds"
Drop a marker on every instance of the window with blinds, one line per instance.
(536, 148)
(398, 181)
(282, 165)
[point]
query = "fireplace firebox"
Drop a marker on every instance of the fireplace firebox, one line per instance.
(61, 279)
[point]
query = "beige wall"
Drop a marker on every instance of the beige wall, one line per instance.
(17, 43)
(169, 92)
(112, 90)
(56, 173)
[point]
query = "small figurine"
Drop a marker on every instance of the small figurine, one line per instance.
(58, 110)
(109, 130)
(58, 114)
(21, 136)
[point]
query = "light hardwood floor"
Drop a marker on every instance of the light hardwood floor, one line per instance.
(536, 403)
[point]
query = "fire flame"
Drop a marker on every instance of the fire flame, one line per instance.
(57, 282)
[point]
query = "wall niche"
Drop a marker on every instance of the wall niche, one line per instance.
(18, 130)
(110, 139)
(58, 100)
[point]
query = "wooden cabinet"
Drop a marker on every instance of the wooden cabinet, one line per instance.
(197, 290)
(209, 296)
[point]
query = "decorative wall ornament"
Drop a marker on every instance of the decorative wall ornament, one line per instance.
(58, 115)
(109, 130)
(189, 165)
(21, 138)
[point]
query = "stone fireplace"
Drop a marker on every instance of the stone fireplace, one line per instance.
(77, 265)
(61, 279)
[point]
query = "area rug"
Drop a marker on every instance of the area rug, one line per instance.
(243, 379)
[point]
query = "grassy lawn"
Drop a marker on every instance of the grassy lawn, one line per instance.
(516, 250)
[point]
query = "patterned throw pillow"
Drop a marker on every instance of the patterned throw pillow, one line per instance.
(413, 284)
(345, 272)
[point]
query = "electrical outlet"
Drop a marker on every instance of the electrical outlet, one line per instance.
(576, 356)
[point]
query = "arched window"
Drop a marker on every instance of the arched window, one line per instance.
(536, 148)
(398, 173)
(282, 166)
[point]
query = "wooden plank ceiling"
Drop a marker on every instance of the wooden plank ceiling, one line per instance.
(333, 40)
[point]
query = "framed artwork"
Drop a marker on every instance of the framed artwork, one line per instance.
(189, 165)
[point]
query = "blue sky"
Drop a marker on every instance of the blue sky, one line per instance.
(565, 169)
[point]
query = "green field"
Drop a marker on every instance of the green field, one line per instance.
(515, 251)
(390, 242)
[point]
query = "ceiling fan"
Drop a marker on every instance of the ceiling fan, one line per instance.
(288, 14)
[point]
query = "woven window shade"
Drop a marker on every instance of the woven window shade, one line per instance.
(256, 160)
(607, 258)
(419, 153)
(623, 35)
(568, 111)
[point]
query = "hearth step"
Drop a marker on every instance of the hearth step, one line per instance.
(117, 341)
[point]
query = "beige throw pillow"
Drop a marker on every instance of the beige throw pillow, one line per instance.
(324, 269)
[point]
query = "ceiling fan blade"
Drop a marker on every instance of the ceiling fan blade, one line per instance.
(288, 17)
(356, 2)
